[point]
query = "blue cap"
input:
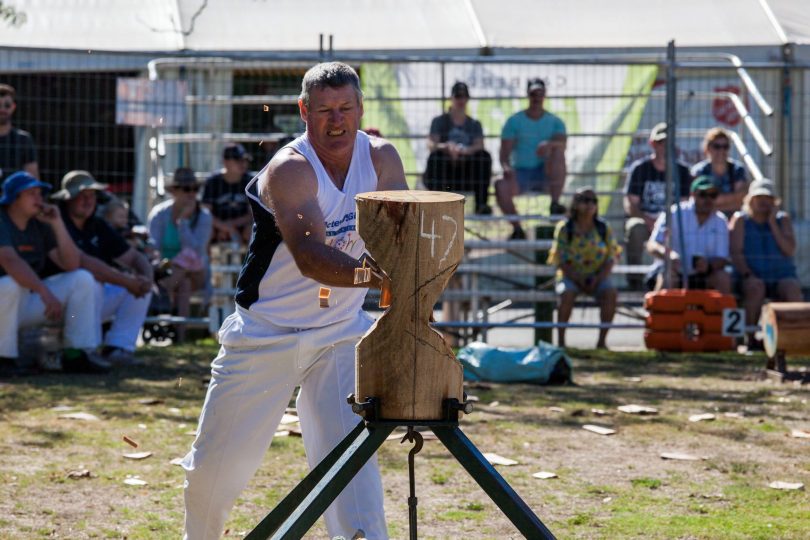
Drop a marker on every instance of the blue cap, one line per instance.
(17, 183)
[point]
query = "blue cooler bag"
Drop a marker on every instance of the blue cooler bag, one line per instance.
(543, 364)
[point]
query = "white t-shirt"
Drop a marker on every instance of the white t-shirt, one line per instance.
(709, 239)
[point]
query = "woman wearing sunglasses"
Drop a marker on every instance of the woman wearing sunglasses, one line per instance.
(729, 175)
(181, 229)
(584, 251)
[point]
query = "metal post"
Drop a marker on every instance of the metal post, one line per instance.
(671, 194)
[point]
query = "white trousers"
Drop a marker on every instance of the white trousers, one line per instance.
(22, 308)
(249, 390)
(126, 312)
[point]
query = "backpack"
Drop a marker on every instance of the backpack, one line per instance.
(601, 228)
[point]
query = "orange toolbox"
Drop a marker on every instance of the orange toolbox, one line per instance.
(687, 320)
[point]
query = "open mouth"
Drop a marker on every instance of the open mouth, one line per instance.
(336, 132)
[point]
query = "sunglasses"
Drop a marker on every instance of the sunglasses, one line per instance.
(708, 194)
(720, 146)
(187, 189)
(587, 200)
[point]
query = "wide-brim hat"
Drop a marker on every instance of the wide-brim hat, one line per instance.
(17, 183)
(74, 183)
(183, 176)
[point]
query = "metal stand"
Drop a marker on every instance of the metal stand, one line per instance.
(299, 510)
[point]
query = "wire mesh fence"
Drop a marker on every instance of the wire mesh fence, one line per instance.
(132, 121)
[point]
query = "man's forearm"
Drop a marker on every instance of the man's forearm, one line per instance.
(24, 275)
(69, 255)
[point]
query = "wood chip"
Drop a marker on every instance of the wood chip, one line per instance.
(80, 416)
(733, 415)
(495, 459)
(362, 275)
(150, 401)
(79, 473)
(637, 409)
(473, 399)
(134, 481)
(323, 296)
(494, 403)
(679, 456)
(599, 412)
(283, 433)
(800, 433)
(706, 417)
(174, 410)
(601, 430)
(544, 475)
(556, 409)
(787, 485)
(176, 461)
(137, 455)
(62, 408)
(289, 419)
(632, 379)
(130, 442)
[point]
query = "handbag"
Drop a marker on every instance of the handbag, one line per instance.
(188, 259)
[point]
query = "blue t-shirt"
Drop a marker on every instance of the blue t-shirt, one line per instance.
(527, 134)
(725, 183)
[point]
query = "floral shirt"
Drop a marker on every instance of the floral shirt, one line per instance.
(584, 253)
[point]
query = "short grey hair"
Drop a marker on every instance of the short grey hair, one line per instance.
(331, 74)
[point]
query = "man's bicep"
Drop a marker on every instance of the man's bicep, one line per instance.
(392, 172)
(292, 195)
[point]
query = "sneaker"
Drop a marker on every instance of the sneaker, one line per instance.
(79, 361)
(120, 357)
(483, 209)
(557, 209)
(518, 234)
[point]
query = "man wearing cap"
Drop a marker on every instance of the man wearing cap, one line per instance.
(32, 233)
(123, 296)
(698, 241)
(224, 196)
(763, 245)
(17, 150)
(532, 155)
(458, 161)
(645, 195)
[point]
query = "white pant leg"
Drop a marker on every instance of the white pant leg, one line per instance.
(127, 314)
(326, 419)
(77, 292)
(248, 393)
(12, 294)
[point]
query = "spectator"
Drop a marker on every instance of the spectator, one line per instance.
(703, 253)
(532, 155)
(124, 275)
(31, 233)
(17, 150)
(224, 196)
(584, 251)
(181, 228)
(116, 213)
(762, 250)
(645, 195)
(728, 174)
(458, 161)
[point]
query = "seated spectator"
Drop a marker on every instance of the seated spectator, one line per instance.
(224, 197)
(584, 251)
(645, 196)
(124, 275)
(458, 161)
(181, 229)
(729, 175)
(762, 250)
(698, 242)
(532, 156)
(31, 233)
(117, 214)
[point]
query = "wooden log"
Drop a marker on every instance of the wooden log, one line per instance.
(417, 239)
(787, 328)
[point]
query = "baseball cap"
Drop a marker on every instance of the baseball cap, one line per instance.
(763, 186)
(702, 183)
(236, 151)
(460, 89)
(535, 84)
(658, 132)
(75, 182)
(17, 183)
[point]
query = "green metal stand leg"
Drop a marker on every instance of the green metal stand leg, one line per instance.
(491, 482)
(299, 510)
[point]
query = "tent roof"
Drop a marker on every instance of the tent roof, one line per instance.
(403, 25)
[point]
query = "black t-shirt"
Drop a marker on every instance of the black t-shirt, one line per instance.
(227, 201)
(97, 239)
(465, 134)
(31, 244)
(16, 150)
(650, 185)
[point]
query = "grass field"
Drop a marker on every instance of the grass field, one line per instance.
(65, 478)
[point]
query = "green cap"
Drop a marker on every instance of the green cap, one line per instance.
(702, 183)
